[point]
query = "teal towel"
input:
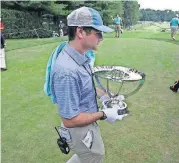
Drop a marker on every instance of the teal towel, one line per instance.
(51, 62)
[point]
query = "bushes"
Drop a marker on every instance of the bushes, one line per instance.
(23, 24)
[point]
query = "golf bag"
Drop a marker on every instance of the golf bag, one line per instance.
(175, 86)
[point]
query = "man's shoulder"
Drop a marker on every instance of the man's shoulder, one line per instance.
(174, 19)
(65, 65)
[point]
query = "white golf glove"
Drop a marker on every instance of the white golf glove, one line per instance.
(112, 115)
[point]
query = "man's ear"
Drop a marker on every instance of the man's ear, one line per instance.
(79, 33)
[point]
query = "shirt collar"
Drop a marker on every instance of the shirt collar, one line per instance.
(76, 56)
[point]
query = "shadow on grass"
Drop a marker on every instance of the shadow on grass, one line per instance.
(26, 44)
(176, 42)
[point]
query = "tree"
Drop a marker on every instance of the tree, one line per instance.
(36, 6)
(109, 9)
(131, 13)
(105, 8)
(156, 15)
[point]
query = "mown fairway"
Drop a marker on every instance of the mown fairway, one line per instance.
(149, 135)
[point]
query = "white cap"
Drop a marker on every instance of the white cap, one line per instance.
(87, 17)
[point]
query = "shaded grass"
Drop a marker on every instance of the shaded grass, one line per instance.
(15, 44)
(150, 134)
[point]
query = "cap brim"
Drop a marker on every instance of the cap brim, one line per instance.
(103, 28)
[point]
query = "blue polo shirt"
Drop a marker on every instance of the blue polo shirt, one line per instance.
(174, 22)
(72, 84)
(117, 20)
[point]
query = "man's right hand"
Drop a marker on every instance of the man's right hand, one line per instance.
(112, 115)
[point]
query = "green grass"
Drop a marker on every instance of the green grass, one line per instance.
(160, 36)
(149, 135)
(15, 44)
(152, 26)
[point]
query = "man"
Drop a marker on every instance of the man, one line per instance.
(174, 25)
(61, 26)
(2, 52)
(1, 25)
(73, 88)
(117, 22)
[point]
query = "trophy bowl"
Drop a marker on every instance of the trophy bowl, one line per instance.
(117, 82)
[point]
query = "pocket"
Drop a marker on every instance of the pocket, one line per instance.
(79, 133)
(88, 139)
(98, 145)
(65, 133)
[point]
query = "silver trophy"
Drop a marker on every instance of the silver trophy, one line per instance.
(120, 83)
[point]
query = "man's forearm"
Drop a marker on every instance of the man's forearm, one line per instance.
(82, 119)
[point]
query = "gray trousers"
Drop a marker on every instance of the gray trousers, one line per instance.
(173, 30)
(83, 154)
(3, 59)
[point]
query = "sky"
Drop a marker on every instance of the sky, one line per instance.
(160, 4)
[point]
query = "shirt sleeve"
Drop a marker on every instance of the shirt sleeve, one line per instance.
(67, 93)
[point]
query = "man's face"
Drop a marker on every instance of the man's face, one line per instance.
(88, 37)
(92, 39)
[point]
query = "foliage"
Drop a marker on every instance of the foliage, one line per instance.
(22, 17)
(128, 11)
(156, 15)
(105, 8)
(21, 24)
(131, 13)
(35, 6)
(108, 9)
